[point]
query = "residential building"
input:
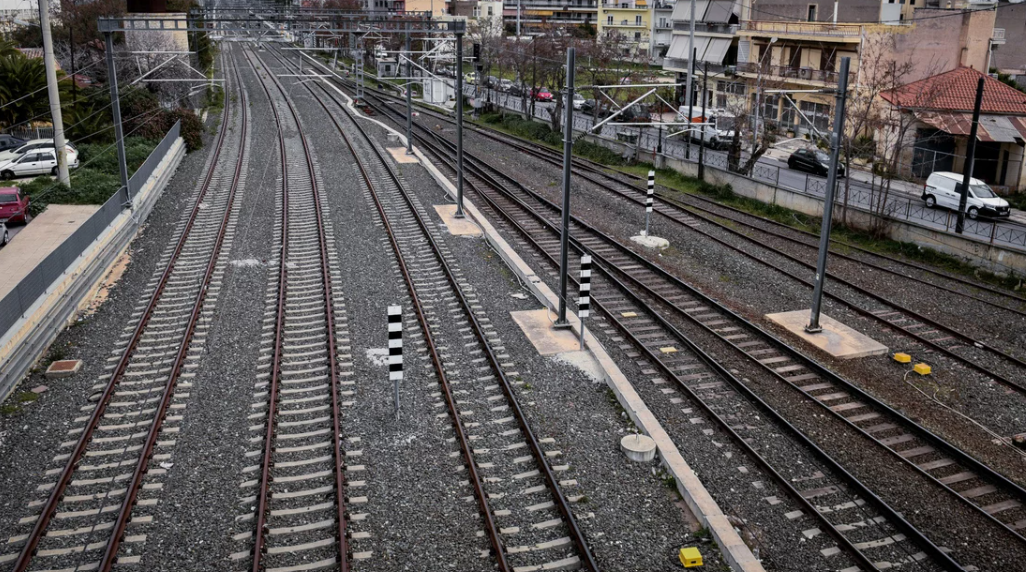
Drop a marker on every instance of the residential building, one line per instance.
(437, 8)
(939, 114)
(662, 30)
(539, 16)
(1008, 52)
(716, 46)
(629, 23)
(802, 56)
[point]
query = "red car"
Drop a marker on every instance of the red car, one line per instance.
(13, 205)
(541, 94)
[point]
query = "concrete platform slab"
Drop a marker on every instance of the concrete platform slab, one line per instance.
(38, 239)
(400, 156)
(63, 368)
(651, 241)
(457, 226)
(836, 339)
(537, 326)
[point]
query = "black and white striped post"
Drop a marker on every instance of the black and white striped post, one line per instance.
(395, 351)
(584, 302)
(649, 198)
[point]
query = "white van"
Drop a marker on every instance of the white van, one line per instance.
(718, 135)
(942, 190)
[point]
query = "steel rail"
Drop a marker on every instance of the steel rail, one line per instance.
(545, 154)
(924, 434)
(881, 505)
(50, 506)
(562, 504)
(258, 545)
(964, 338)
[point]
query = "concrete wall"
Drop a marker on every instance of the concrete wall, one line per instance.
(847, 10)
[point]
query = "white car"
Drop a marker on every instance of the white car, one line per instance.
(32, 145)
(943, 189)
(578, 101)
(35, 162)
(5, 237)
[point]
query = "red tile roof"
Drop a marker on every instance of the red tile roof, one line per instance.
(956, 91)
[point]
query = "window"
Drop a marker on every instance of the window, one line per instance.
(637, 20)
(477, 12)
(812, 12)
(662, 22)
(46, 157)
(609, 20)
(637, 36)
(490, 11)
(817, 113)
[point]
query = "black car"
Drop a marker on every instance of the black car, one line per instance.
(10, 142)
(813, 161)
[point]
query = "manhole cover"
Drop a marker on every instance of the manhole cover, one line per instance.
(63, 368)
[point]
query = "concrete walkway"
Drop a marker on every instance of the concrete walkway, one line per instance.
(38, 239)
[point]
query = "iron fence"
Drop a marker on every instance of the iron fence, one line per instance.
(29, 133)
(19, 300)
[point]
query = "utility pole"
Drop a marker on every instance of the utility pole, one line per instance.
(568, 145)
(970, 157)
(119, 135)
(409, 94)
(54, 94)
(828, 204)
(691, 112)
(705, 119)
(691, 60)
(459, 125)
(518, 18)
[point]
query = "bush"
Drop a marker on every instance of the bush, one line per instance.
(104, 157)
(192, 127)
(88, 187)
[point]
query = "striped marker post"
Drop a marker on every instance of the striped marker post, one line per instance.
(648, 199)
(395, 351)
(584, 302)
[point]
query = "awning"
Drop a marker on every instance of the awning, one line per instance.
(717, 50)
(680, 48)
(719, 11)
(992, 129)
(682, 11)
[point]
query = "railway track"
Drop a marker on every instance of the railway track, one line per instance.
(527, 517)
(100, 496)
(988, 492)
(296, 494)
(934, 335)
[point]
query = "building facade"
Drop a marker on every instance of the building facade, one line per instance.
(716, 47)
(537, 17)
(629, 23)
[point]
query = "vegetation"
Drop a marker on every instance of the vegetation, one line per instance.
(94, 182)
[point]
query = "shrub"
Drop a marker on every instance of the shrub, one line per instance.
(192, 127)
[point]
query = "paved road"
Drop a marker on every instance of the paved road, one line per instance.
(902, 202)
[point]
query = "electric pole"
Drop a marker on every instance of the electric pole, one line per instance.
(970, 156)
(59, 145)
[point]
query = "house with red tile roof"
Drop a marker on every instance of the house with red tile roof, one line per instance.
(941, 109)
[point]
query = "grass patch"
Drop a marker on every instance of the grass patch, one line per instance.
(9, 410)
(25, 397)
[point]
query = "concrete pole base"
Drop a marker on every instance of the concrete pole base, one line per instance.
(651, 241)
(640, 448)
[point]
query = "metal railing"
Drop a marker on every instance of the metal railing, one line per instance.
(895, 204)
(32, 133)
(794, 72)
(19, 300)
(804, 28)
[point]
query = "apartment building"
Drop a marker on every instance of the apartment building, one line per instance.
(662, 30)
(629, 23)
(537, 17)
(798, 56)
(716, 47)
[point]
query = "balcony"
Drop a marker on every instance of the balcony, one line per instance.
(803, 29)
(792, 73)
(706, 28)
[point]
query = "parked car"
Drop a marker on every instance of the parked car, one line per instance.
(719, 132)
(33, 145)
(10, 142)
(37, 162)
(470, 78)
(637, 113)
(578, 101)
(517, 89)
(813, 161)
(5, 237)
(541, 94)
(943, 189)
(491, 82)
(13, 205)
(505, 84)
